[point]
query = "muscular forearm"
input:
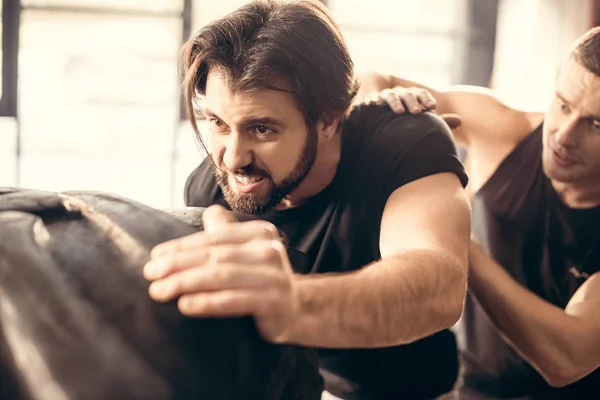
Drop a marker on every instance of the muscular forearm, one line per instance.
(394, 301)
(543, 334)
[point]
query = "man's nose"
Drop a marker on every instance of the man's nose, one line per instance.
(237, 153)
(568, 134)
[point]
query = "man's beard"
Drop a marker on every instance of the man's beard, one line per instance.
(249, 203)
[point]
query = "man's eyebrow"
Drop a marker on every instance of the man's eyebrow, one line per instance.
(562, 98)
(252, 121)
(592, 117)
(207, 113)
(263, 121)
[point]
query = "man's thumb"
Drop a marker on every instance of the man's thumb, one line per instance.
(216, 216)
(453, 120)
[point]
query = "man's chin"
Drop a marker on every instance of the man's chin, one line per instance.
(247, 204)
(562, 175)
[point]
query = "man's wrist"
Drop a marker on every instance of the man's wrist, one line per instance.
(303, 326)
(477, 257)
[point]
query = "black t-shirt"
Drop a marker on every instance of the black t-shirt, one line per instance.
(547, 247)
(339, 231)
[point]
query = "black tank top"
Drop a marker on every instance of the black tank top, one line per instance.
(546, 246)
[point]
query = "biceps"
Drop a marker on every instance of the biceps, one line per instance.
(432, 213)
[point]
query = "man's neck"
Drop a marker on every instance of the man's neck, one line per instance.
(320, 175)
(578, 195)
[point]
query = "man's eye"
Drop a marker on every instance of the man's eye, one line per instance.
(262, 130)
(562, 106)
(216, 122)
(595, 125)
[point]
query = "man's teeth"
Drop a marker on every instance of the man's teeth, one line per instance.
(247, 180)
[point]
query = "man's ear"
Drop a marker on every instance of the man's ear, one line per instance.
(327, 127)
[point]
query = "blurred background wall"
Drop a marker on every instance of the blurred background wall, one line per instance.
(534, 38)
(90, 94)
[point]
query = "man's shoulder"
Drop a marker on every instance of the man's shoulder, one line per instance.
(401, 148)
(380, 129)
(201, 188)
(381, 116)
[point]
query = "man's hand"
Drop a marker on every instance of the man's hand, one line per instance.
(413, 100)
(230, 269)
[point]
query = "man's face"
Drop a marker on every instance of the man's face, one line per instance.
(260, 143)
(572, 128)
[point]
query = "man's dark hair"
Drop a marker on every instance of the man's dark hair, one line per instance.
(297, 41)
(587, 50)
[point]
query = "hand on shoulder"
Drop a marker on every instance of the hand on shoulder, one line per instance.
(411, 100)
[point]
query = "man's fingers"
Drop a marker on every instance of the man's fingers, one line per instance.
(262, 252)
(169, 263)
(214, 217)
(426, 99)
(394, 102)
(228, 233)
(400, 99)
(215, 278)
(371, 99)
(412, 103)
(227, 303)
(376, 98)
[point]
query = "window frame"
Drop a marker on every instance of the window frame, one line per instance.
(11, 13)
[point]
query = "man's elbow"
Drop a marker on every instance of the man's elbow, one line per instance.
(452, 293)
(558, 381)
(564, 373)
(570, 357)
(457, 294)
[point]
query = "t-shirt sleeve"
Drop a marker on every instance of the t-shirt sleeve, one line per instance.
(417, 146)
